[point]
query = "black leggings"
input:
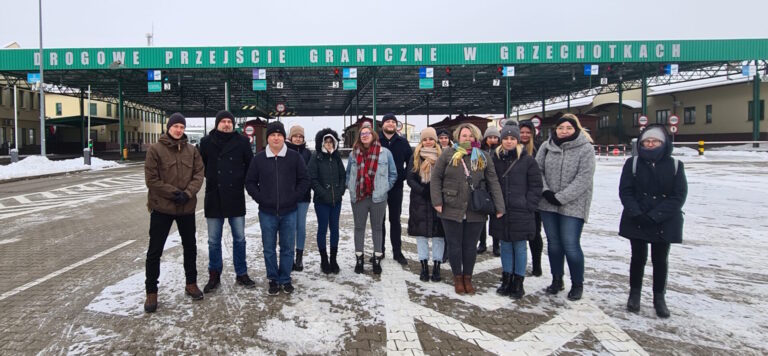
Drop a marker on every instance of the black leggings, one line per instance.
(659, 256)
(537, 244)
(461, 238)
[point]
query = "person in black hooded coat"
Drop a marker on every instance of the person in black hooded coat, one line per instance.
(529, 140)
(326, 170)
(653, 189)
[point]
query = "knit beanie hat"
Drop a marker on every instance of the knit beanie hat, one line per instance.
(510, 128)
(296, 130)
(444, 132)
(176, 118)
(429, 133)
(654, 132)
(491, 131)
(388, 116)
(224, 114)
(275, 126)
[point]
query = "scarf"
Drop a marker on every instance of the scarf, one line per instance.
(477, 158)
(367, 163)
(428, 159)
(652, 154)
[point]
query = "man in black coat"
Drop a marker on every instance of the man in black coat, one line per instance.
(401, 152)
(226, 155)
(277, 179)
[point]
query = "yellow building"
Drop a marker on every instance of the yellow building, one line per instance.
(142, 125)
(713, 109)
(29, 120)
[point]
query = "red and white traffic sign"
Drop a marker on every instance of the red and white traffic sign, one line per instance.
(673, 130)
(536, 122)
(280, 107)
(674, 120)
(642, 120)
(249, 130)
(251, 138)
(537, 130)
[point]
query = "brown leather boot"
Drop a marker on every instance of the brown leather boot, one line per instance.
(150, 305)
(458, 284)
(468, 284)
(193, 291)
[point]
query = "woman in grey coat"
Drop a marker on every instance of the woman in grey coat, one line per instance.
(567, 162)
(450, 193)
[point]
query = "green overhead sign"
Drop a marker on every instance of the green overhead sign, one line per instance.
(154, 87)
(349, 84)
(511, 53)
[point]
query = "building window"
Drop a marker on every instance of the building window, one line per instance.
(109, 110)
(635, 116)
(58, 109)
(689, 115)
(762, 110)
(31, 136)
(661, 116)
(2, 94)
(604, 122)
(709, 114)
(94, 109)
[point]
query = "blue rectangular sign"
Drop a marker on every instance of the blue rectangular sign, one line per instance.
(33, 77)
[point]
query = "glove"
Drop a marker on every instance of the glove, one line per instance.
(550, 196)
(180, 198)
(643, 220)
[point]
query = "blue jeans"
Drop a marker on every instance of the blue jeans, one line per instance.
(514, 255)
(215, 227)
(271, 225)
(564, 241)
(301, 224)
(438, 247)
(327, 215)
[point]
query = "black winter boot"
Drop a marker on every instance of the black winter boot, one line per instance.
(325, 267)
(436, 271)
(376, 263)
(660, 305)
(517, 290)
(214, 280)
(334, 265)
(297, 263)
(576, 291)
(359, 264)
(496, 250)
(633, 304)
(556, 286)
(481, 248)
(424, 276)
(504, 287)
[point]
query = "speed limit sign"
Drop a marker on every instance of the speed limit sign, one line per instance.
(249, 130)
(536, 122)
(674, 120)
(280, 107)
(642, 120)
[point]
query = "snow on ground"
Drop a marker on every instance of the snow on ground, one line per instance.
(39, 165)
(717, 290)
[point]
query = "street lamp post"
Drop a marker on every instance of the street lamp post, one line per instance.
(42, 95)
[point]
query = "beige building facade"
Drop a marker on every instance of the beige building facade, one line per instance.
(28, 106)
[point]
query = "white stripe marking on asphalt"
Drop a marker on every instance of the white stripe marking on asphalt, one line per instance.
(63, 270)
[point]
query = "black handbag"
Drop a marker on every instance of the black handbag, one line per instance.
(480, 200)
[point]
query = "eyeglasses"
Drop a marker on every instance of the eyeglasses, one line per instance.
(364, 134)
(299, 136)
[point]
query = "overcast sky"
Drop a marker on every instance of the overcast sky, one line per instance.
(100, 23)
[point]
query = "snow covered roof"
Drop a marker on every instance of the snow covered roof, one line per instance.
(697, 84)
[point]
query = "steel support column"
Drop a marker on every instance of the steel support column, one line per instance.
(121, 111)
(756, 106)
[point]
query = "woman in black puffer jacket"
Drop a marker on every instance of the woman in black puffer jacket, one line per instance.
(520, 181)
(652, 189)
(326, 170)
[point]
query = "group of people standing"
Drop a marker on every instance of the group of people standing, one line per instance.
(530, 185)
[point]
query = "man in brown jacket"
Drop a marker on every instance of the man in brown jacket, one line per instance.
(173, 172)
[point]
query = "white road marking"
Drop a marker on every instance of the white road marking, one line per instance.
(20, 289)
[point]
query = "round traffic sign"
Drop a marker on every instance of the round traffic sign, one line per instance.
(249, 130)
(537, 130)
(536, 122)
(642, 120)
(674, 120)
(673, 129)
(280, 107)
(251, 139)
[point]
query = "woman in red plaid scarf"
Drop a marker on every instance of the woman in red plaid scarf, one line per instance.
(371, 173)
